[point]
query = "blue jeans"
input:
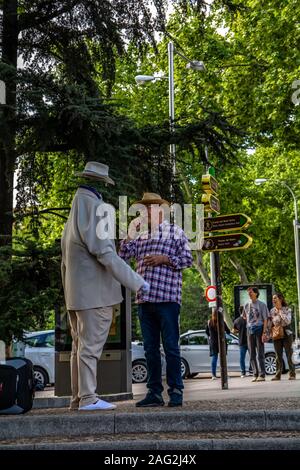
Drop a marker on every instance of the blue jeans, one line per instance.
(214, 361)
(161, 319)
(243, 352)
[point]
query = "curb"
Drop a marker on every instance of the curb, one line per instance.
(172, 444)
(64, 402)
(85, 424)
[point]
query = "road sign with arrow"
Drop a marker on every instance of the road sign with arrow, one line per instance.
(227, 242)
(226, 223)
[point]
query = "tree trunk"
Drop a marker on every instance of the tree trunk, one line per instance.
(7, 141)
(239, 268)
(201, 269)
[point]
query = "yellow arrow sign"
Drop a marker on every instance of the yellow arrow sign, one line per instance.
(209, 184)
(228, 242)
(226, 223)
(211, 203)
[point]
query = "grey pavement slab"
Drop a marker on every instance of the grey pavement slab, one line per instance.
(170, 444)
(96, 423)
(190, 421)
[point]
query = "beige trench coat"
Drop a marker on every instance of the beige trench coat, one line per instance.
(92, 272)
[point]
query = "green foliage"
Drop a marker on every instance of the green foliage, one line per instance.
(30, 289)
(194, 310)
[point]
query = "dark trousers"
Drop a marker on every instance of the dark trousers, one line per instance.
(243, 352)
(256, 347)
(161, 319)
(285, 343)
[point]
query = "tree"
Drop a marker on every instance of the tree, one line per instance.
(60, 107)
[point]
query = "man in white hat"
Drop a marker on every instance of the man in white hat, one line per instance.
(92, 274)
(162, 252)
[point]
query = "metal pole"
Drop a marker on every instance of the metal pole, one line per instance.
(171, 103)
(215, 277)
(220, 323)
(297, 254)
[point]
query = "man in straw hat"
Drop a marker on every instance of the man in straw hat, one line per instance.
(162, 252)
(92, 274)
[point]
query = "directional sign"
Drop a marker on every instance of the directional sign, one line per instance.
(227, 242)
(211, 203)
(209, 184)
(226, 223)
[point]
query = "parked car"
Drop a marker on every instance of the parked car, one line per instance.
(39, 348)
(194, 350)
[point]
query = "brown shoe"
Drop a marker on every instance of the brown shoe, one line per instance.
(261, 379)
(254, 379)
(275, 378)
(292, 377)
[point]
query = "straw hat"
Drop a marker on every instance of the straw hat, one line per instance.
(152, 198)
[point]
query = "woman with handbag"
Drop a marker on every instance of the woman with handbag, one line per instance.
(282, 334)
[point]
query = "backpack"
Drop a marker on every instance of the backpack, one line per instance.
(16, 386)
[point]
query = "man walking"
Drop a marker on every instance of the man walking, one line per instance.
(92, 274)
(162, 252)
(257, 317)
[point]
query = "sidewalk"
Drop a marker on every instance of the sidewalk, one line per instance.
(201, 390)
(248, 415)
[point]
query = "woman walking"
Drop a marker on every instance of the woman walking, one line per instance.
(281, 317)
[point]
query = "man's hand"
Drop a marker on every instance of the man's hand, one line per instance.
(145, 288)
(156, 260)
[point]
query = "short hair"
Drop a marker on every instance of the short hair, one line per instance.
(255, 290)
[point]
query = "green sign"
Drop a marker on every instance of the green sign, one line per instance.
(227, 242)
(226, 223)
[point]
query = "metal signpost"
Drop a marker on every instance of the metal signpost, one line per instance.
(216, 243)
(212, 204)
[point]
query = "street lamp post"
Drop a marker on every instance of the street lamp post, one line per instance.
(2, 92)
(296, 224)
(142, 79)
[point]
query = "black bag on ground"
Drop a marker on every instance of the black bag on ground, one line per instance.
(16, 386)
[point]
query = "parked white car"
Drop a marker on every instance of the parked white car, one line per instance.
(39, 348)
(194, 350)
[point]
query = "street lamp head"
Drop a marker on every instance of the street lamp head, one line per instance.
(196, 65)
(259, 181)
(142, 79)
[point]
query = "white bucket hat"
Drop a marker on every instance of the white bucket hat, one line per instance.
(96, 171)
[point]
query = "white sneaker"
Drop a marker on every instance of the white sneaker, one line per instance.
(98, 405)
(214, 377)
(242, 376)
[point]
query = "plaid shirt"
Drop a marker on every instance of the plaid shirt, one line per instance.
(165, 281)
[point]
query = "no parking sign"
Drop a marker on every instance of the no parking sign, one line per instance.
(211, 295)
